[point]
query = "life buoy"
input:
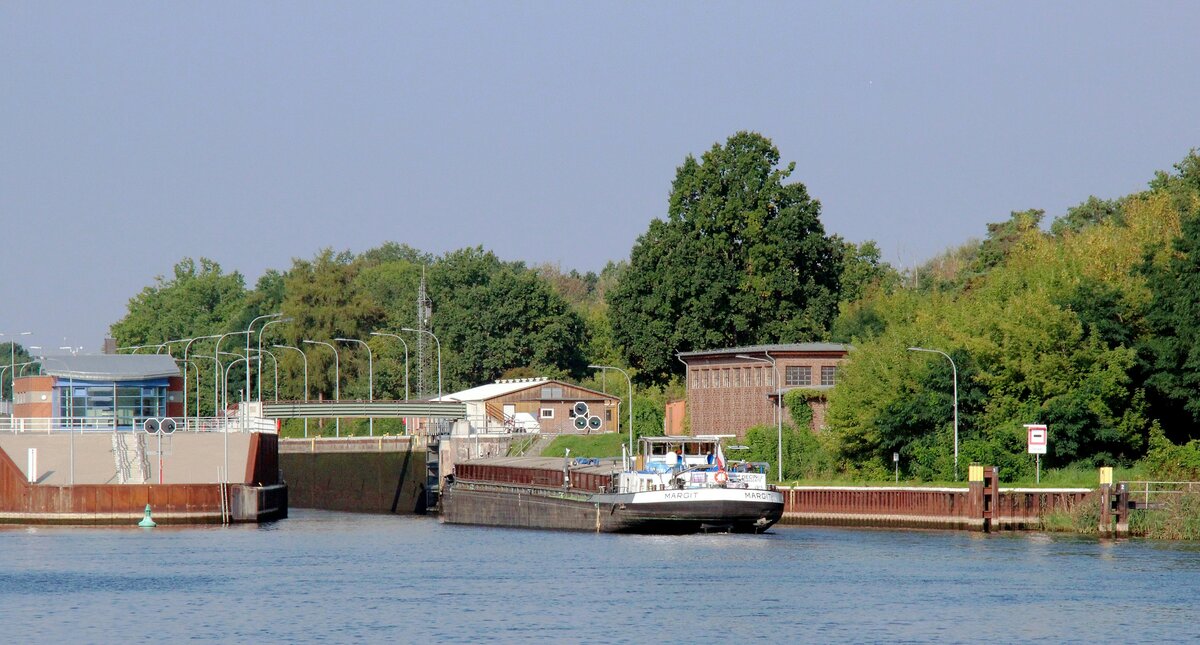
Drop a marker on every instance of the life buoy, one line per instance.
(721, 477)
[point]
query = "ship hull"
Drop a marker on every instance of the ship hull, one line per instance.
(658, 512)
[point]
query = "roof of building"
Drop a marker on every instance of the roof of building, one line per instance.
(504, 387)
(110, 367)
(783, 347)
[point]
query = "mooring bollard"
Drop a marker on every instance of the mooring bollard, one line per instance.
(146, 522)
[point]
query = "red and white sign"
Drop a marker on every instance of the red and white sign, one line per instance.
(1038, 437)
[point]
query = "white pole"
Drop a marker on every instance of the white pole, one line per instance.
(954, 372)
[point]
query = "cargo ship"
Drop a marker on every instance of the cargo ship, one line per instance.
(675, 485)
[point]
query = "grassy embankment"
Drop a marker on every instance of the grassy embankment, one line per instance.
(587, 445)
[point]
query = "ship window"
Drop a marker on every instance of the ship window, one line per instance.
(546, 413)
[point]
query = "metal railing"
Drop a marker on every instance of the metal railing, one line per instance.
(80, 425)
(1143, 493)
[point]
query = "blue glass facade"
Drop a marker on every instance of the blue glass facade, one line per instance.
(129, 402)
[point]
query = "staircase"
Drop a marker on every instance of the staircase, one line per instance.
(133, 467)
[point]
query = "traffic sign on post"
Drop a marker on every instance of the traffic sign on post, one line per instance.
(1038, 436)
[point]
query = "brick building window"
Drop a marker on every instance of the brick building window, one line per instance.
(799, 375)
(725, 378)
(828, 375)
(546, 413)
(757, 376)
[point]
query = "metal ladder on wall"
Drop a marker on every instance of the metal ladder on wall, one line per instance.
(433, 477)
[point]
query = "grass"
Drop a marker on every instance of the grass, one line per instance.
(586, 445)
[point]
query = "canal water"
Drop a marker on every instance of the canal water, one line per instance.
(337, 577)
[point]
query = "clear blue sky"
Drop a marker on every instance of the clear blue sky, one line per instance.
(135, 134)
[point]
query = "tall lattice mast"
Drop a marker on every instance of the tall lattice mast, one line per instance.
(425, 376)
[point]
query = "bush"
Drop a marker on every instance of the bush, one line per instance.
(805, 455)
(1168, 461)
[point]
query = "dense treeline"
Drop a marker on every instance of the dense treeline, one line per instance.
(1089, 325)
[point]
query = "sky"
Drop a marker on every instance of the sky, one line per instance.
(133, 135)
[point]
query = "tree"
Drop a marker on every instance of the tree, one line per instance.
(324, 303)
(742, 258)
(1092, 211)
(1173, 349)
(492, 316)
(194, 301)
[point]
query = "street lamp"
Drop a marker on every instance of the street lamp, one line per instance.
(954, 372)
(217, 358)
(12, 362)
(186, 349)
(337, 377)
(305, 358)
(439, 348)
(402, 342)
(248, 332)
(260, 349)
(370, 379)
(779, 408)
(274, 363)
(630, 382)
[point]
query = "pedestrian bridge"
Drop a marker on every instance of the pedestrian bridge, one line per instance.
(364, 409)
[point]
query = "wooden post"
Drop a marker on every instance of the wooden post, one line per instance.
(1105, 528)
(975, 495)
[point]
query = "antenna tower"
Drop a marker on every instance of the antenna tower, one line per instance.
(424, 355)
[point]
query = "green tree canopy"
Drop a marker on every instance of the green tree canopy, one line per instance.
(196, 300)
(742, 258)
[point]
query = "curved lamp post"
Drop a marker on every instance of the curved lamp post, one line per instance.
(370, 379)
(629, 381)
(12, 362)
(954, 372)
(216, 357)
(215, 368)
(778, 409)
(260, 349)
(249, 331)
(186, 349)
(337, 378)
(402, 342)
(305, 358)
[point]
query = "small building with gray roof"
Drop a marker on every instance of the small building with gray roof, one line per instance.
(101, 389)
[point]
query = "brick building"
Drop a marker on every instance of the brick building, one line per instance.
(104, 390)
(730, 390)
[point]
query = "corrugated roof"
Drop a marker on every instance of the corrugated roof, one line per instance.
(509, 386)
(783, 347)
(492, 390)
(111, 367)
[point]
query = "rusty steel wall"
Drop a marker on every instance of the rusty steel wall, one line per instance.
(925, 508)
(22, 502)
(262, 465)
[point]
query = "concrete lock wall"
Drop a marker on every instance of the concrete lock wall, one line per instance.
(372, 482)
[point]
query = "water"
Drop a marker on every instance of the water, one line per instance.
(340, 577)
